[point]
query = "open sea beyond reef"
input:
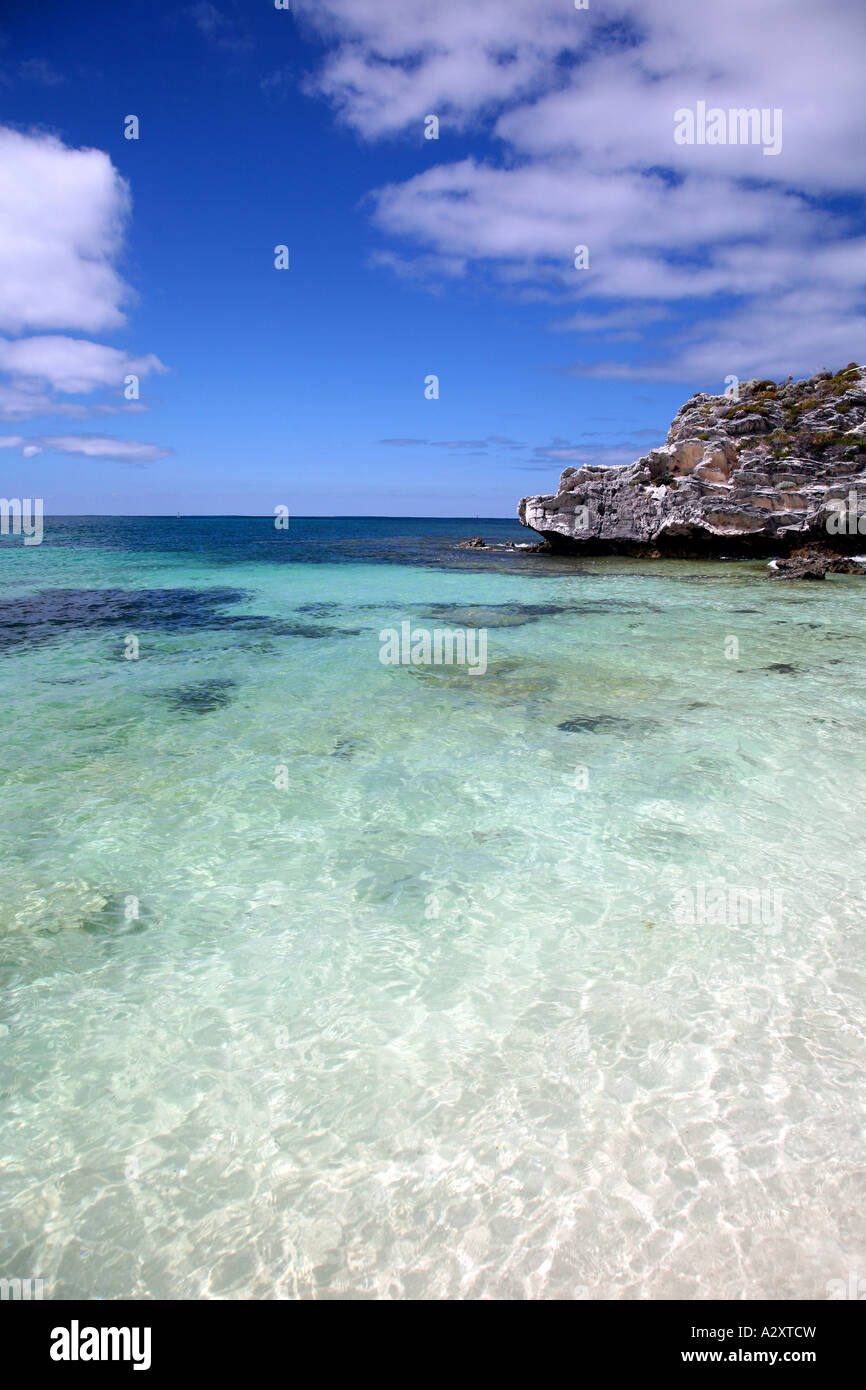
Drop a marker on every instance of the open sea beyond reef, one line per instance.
(326, 978)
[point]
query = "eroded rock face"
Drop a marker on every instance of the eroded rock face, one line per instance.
(761, 475)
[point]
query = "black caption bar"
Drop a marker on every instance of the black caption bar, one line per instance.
(146, 1339)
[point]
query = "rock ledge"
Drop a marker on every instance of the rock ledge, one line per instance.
(781, 467)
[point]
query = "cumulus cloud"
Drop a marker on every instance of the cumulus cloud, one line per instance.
(579, 107)
(604, 82)
(62, 218)
(99, 446)
(63, 214)
(37, 366)
(393, 64)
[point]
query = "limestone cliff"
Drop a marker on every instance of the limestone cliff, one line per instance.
(763, 474)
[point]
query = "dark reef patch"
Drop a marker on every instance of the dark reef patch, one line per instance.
(302, 630)
(280, 629)
(605, 724)
(517, 614)
(203, 697)
(491, 614)
(318, 610)
(611, 605)
(524, 611)
(50, 614)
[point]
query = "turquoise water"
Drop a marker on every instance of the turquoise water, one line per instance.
(324, 978)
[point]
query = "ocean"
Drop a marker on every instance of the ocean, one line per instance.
(330, 978)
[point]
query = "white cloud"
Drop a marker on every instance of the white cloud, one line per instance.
(736, 258)
(424, 268)
(99, 446)
(103, 446)
(394, 64)
(72, 365)
(62, 217)
(581, 107)
(24, 400)
(604, 82)
(63, 213)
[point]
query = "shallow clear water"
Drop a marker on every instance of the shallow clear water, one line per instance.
(422, 1014)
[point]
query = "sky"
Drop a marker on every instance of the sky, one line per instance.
(409, 257)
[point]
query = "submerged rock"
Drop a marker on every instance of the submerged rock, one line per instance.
(492, 614)
(762, 475)
(605, 724)
(201, 698)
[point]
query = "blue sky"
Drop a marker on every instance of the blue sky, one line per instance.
(409, 256)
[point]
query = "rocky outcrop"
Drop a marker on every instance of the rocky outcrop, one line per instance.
(781, 466)
(813, 562)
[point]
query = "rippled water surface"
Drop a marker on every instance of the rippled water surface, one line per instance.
(325, 978)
